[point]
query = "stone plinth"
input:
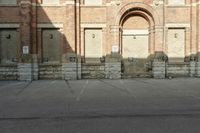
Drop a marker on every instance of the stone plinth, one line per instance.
(113, 66)
(159, 69)
(25, 72)
(192, 68)
(71, 71)
(113, 70)
(198, 69)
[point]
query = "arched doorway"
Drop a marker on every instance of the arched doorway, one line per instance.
(136, 44)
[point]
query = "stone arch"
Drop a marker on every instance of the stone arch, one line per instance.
(146, 9)
(138, 9)
(148, 18)
(143, 46)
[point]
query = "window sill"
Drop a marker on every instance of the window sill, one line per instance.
(9, 5)
(92, 6)
(175, 6)
(48, 5)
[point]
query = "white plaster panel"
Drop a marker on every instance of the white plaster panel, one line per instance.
(135, 46)
(93, 2)
(176, 2)
(135, 32)
(9, 25)
(50, 2)
(8, 1)
(176, 44)
(93, 43)
(177, 25)
(53, 25)
(93, 25)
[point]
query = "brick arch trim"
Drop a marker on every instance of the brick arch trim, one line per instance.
(147, 9)
(137, 13)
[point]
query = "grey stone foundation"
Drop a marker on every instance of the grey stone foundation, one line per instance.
(159, 69)
(71, 71)
(110, 69)
(35, 71)
(35, 68)
(192, 69)
(50, 71)
(25, 72)
(113, 66)
(8, 72)
(93, 71)
(198, 69)
(178, 69)
(113, 70)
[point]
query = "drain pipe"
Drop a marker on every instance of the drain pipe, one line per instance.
(75, 28)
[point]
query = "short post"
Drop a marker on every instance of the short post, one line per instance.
(159, 65)
(113, 66)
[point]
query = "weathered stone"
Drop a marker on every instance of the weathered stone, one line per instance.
(198, 69)
(113, 70)
(50, 71)
(25, 71)
(178, 70)
(192, 68)
(159, 69)
(93, 70)
(71, 71)
(8, 72)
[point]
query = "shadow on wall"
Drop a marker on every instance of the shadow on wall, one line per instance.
(40, 39)
(52, 45)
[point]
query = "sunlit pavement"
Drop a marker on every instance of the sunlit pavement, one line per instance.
(101, 106)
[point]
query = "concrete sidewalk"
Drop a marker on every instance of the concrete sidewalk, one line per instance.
(87, 105)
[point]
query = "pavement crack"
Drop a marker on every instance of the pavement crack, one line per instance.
(69, 86)
(106, 116)
(126, 90)
(82, 91)
(23, 89)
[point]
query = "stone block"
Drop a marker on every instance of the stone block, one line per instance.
(71, 71)
(8, 72)
(198, 69)
(25, 72)
(50, 71)
(113, 70)
(35, 71)
(178, 69)
(159, 69)
(192, 68)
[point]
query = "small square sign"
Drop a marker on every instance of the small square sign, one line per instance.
(25, 49)
(115, 49)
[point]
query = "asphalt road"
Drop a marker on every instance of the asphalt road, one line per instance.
(101, 106)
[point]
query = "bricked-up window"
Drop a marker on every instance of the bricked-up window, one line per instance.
(8, 2)
(51, 45)
(50, 1)
(8, 46)
(93, 2)
(176, 2)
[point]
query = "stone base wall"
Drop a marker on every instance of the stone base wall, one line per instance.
(192, 69)
(25, 72)
(35, 71)
(178, 70)
(50, 71)
(159, 69)
(113, 70)
(198, 69)
(8, 72)
(108, 70)
(71, 71)
(93, 71)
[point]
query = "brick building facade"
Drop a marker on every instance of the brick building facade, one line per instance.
(77, 39)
